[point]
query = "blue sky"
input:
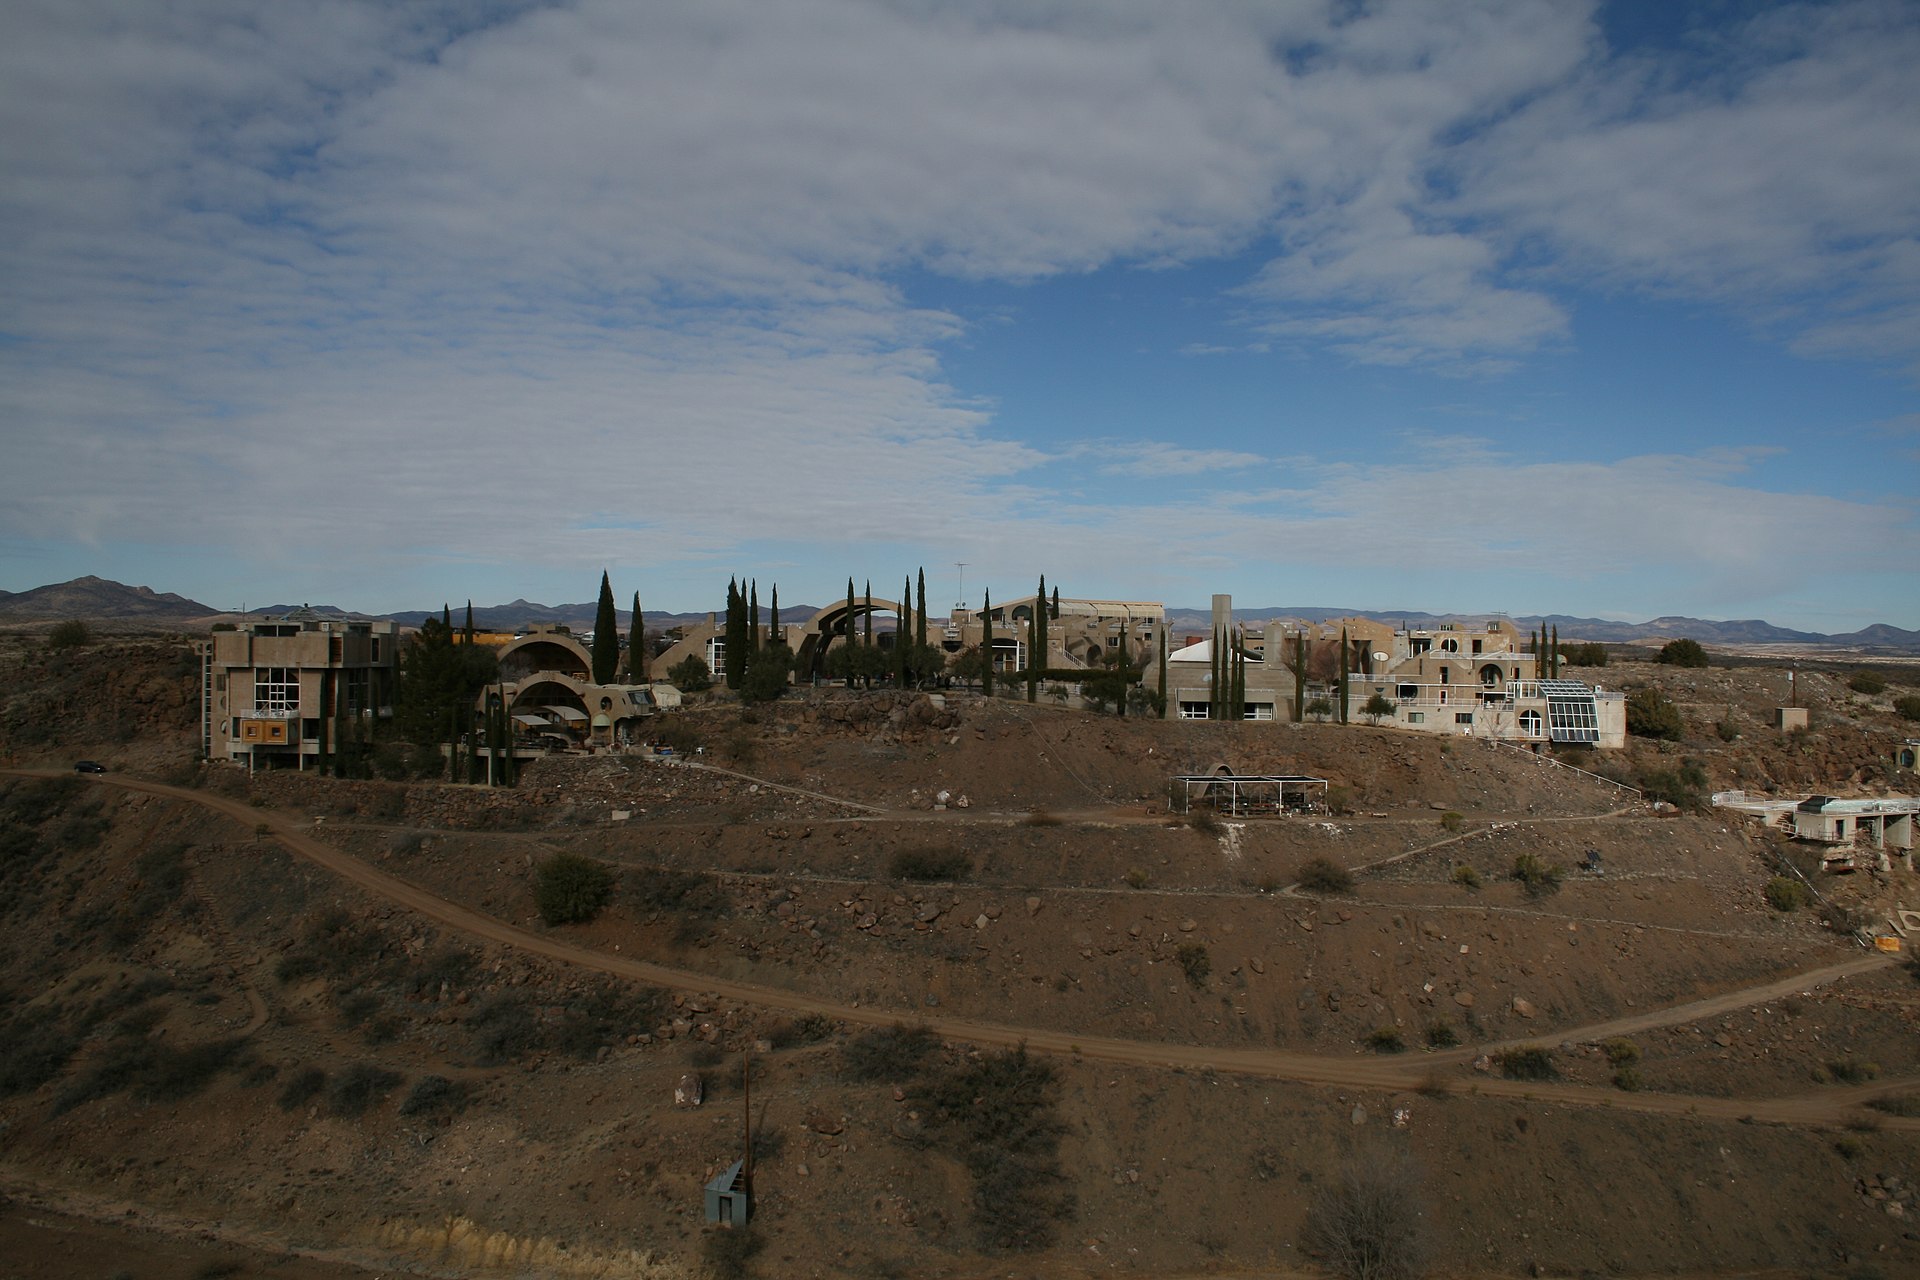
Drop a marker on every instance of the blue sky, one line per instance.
(1516, 305)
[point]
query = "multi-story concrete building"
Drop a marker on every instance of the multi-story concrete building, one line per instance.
(280, 692)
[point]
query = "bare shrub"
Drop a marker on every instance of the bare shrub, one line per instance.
(1366, 1223)
(1324, 875)
(888, 1053)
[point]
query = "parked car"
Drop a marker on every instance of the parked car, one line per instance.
(89, 766)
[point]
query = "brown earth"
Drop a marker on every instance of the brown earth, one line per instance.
(320, 922)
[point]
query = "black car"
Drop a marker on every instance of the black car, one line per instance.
(89, 766)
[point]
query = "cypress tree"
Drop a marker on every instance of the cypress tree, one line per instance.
(773, 617)
(637, 645)
(986, 645)
(734, 660)
(1299, 676)
(904, 615)
(1238, 711)
(1553, 651)
(1163, 668)
(866, 666)
(846, 634)
(1125, 664)
(1346, 659)
(920, 631)
(446, 617)
(753, 617)
(466, 637)
(1033, 639)
(1041, 648)
(606, 636)
(1055, 614)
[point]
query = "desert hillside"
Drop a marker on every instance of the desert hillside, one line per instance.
(288, 1025)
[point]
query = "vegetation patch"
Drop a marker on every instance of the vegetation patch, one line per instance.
(1386, 1040)
(1441, 1035)
(1536, 875)
(571, 889)
(929, 865)
(1528, 1062)
(895, 1053)
(436, 1097)
(358, 1088)
(997, 1116)
(302, 1087)
(151, 1071)
(1324, 875)
(1366, 1223)
(1786, 894)
(1194, 961)
(513, 1026)
(1852, 1070)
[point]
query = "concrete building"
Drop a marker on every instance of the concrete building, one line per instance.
(1468, 679)
(280, 692)
(1855, 832)
(553, 702)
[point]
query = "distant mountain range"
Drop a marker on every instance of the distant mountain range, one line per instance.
(100, 600)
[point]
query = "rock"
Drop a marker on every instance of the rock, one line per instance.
(1033, 906)
(1464, 999)
(1256, 964)
(1189, 925)
(980, 921)
(1523, 1008)
(825, 1122)
(689, 1091)
(1359, 1116)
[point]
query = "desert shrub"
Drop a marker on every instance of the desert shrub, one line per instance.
(358, 1088)
(1366, 1222)
(1651, 714)
(665, 889)
(728, 1252)
(1339, 800)
(926, 865)
(302, 1087)
(1621, 1052)
(1451, 821)
(435, 1096)
(1137, 878)
(1465, 876)
(1866, 682)
(71, 634)
(511, 1026)
(1585, 654)
(1682, 653)
(1386, 1040)
(571, 889)
(1528, 1062)
(151, 1071)
(35, 1045)
(1849, 1147)
(1683, 786)
(809, 1028)
(1319, 708)
(1726, 731)
(1205, 821)
(1441, 1035)
(1898, 1104)
(1785, 894)
(997, 1115)
(1908, 705)
(1324, 875)
(1535, 874)
(446, 965)
(1627, 1079)
(1852, 1070)
(1194, 961)
(892, 1053)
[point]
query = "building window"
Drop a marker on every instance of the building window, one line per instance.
(1193, 711)
(1258, 711)
(1420, 646)
(1463, 717)
(1407, 692)
(1449, 646)
(716, 655)
(1530, 723)
(1416, 717)
(276, 690)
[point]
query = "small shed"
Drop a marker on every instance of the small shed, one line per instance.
(1250, 795)
(729, 1198)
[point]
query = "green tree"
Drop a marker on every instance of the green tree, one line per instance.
(1908, 705)
(439, 683)
(902, 640)
(606, 636)
(1346, 660)
(773, 618)
(466, 637)
(1163, 669)
(637, 645)
(71, 634)
(767, 671)
(571, 889)
(753, 618)
(691, 674)
(1651, 714)
(922, 668)
(1682, 653)
(738, 638)
(1553, 651)
(986, 645)
(1376, 706)
(1299, 676)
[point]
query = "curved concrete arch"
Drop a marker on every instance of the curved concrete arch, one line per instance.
(545, 651)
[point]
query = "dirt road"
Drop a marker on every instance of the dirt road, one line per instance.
(1829, 1106)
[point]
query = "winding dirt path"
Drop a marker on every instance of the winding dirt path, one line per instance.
(1829, 1106)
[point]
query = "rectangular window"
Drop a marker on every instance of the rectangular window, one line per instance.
(1193, 711)
(276, 690)
(1416, 717)
(1463, 717)
(1407, 692)
(376, 648)
(310, 729)
(1258, 711)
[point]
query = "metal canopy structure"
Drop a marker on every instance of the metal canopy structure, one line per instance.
(1253, 795)
(1572, 714)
